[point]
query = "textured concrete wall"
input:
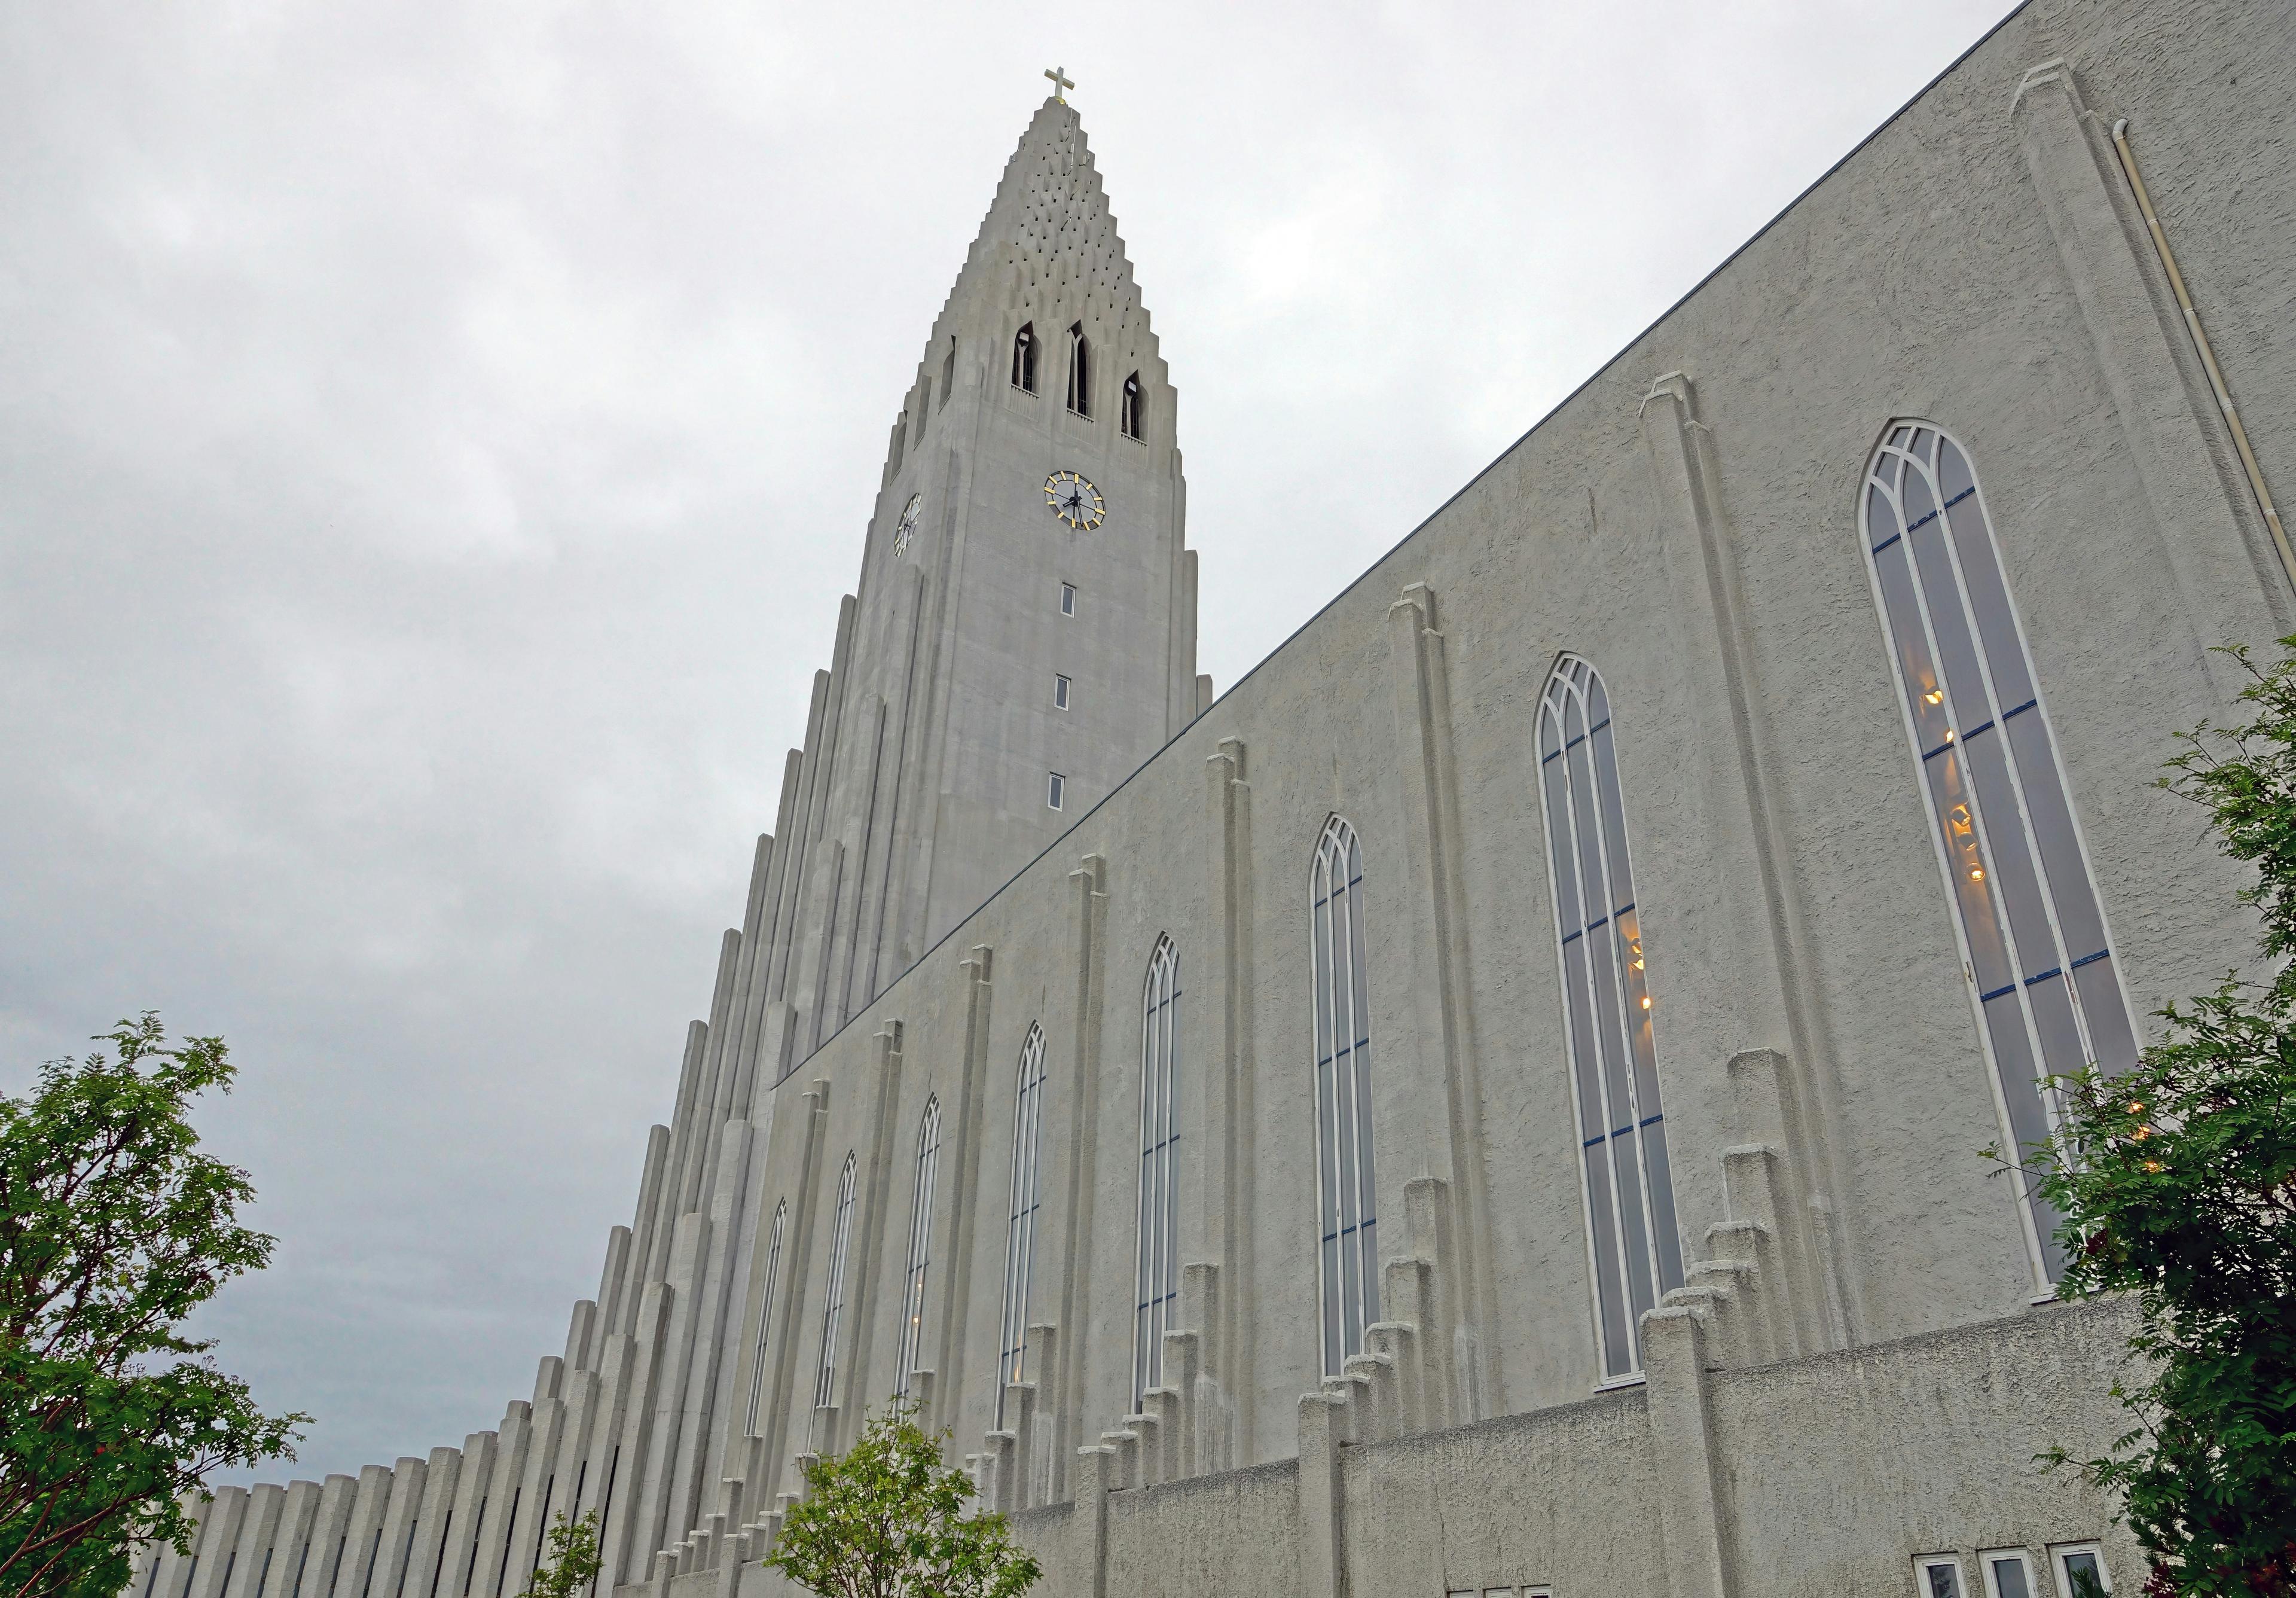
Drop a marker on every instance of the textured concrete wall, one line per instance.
(1859, 1370)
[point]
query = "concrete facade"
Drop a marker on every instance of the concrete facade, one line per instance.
(1863, 1357)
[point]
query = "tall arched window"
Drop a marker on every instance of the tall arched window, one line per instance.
(833, 1306)
(1135, 403)
(766, 1312)
(1021, 1225)
(2033, 941)
(1080, 371)
(1347, 1205)
(1024, 358)
(921, 1204)
(1159, 1279)
(1631, 1238)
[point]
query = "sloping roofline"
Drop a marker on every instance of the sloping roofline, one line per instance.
(1389, 553)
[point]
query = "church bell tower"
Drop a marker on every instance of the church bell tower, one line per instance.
(1023, 635)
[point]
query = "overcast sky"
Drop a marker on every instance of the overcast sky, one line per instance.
(433, 438)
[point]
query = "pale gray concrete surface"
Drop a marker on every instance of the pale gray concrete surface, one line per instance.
(1865, 1364)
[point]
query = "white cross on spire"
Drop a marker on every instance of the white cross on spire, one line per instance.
(1061, 80)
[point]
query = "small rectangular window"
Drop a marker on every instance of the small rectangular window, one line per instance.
(2080, 1571)
(1060, 692)
(1939, 1576)
(1056, 789)
(1068, 598)
(2007, 1575)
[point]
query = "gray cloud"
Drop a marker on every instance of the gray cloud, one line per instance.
(433, 438)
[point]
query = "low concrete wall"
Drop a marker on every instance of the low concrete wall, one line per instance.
(1830, 1474)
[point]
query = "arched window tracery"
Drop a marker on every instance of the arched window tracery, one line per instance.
(766, 1313)
(1021, 1222)
(1348, 1260)
(1632, 1240)
(1157, 1277)
(1136, 403)
(2035, 948)
(833, 1304)
(921, 1204)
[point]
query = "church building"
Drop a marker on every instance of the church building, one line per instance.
(1490, 1105)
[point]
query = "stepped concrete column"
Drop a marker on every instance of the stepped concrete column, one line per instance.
(386, 1576)
(1450, 1143)
(458, 1533)
(1761, 937)
(259, 1529)
(1682, 1442)
(426, 1555)
(1229, 1113)
(1322, 1548)
(219, 1529)
(1068, 1373)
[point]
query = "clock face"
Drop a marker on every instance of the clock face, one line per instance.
(905, 528)
(1074, 501)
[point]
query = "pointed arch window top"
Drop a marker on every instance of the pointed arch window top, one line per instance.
(1633, 1244)
(1021, 1221)
(921, 1209)
(2030, 924)
(1157, 1276)
(1080, 371)
(1024, 358)
(1136, 401)
(1346, 1188)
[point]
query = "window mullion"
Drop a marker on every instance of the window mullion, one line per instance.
(1980, 818)
(1609, 1118)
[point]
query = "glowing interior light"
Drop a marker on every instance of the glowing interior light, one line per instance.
(1977, 873)
(1934, 697)
(1645, 1000)
(1948, 734)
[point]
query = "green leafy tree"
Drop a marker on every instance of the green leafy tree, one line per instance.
(113, 1227)
(886, 1520)
(2177, 1181)
(573, 1561)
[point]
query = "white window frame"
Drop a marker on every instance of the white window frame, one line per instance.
(1068, 598)
(765, 1313)
(1156, 1281)
(2059, 1552)
(1926, 1563)
(1347, 1210)
(921, 1211)
(1607, 1034)
(833, 1302)
(1939, 726)
(1985, 1558)
(1055, 790)
(1060, 692)
(1027, 1198)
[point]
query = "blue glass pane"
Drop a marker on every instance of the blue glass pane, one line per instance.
(1559, 851)
(1926, 694)
(1980, 572)
(1989, 951)
(2019, 884)
(2107, 1015)
(1668, 1241)
(1610, 1297)
(2052, 827)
